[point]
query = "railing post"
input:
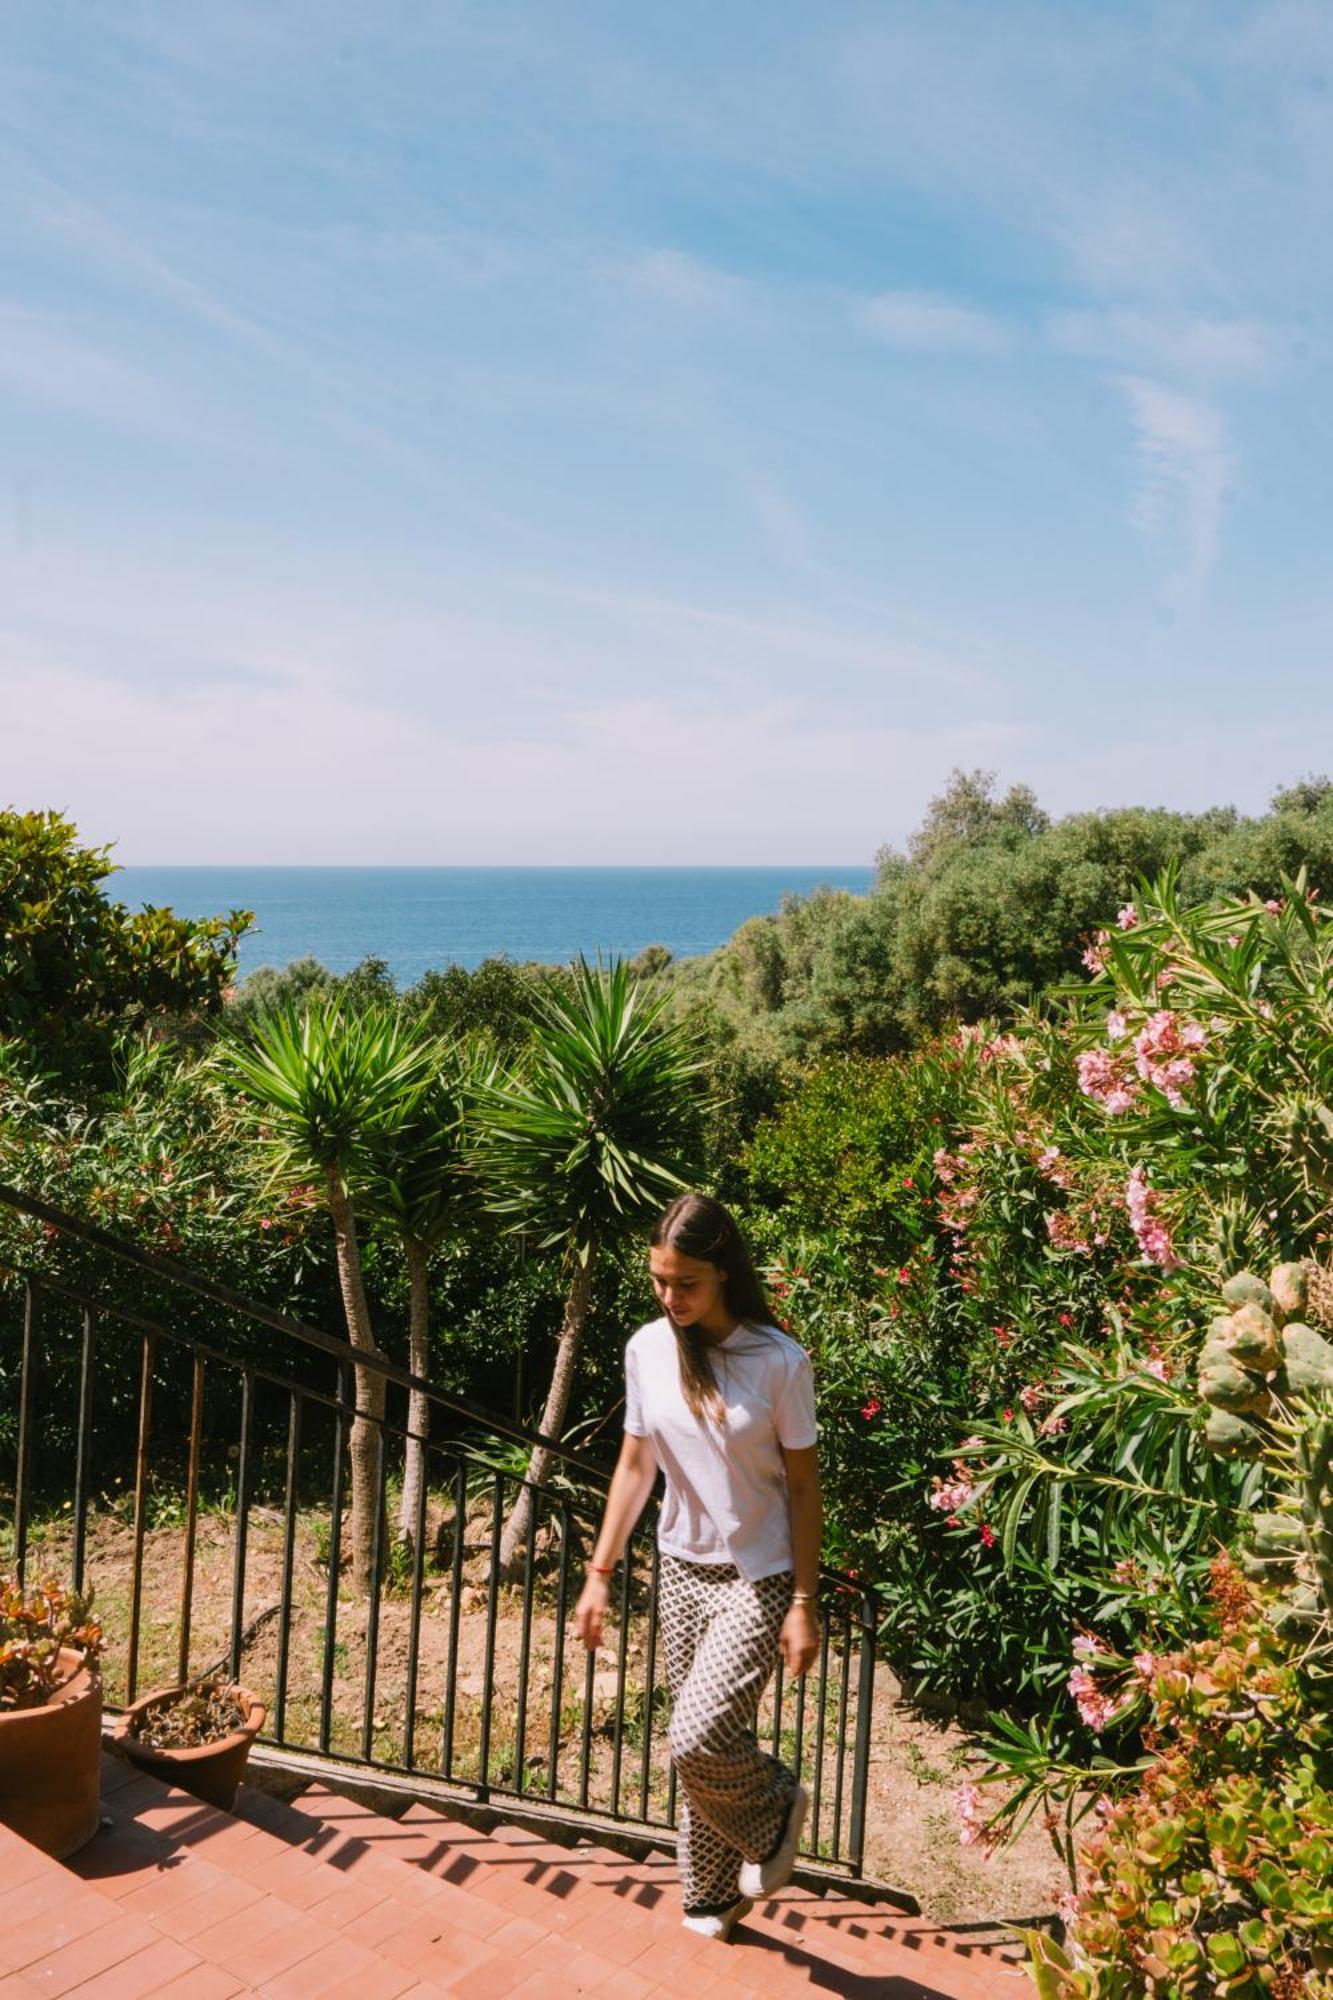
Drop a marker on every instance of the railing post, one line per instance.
(346, 1400)
(865, 1697)
(140, 1512)
(240, 1536)
(82, 1449)
(24, 1470)
(191, 1516)
(290, 1503)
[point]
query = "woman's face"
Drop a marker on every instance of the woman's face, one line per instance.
(689, 1290)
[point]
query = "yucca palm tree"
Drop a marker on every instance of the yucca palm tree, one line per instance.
(418, 1180)
(596, 1132)
(332, 1086)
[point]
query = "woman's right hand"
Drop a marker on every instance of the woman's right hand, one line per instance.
(590, 1610)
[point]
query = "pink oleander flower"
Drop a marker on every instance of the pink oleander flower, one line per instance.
(1117, 1026)
(1127, 917)
(1106, 1079)
(1145, 1666)
(1054, 1425)
(1157, 1367)
(987, 1534)
(1273, 907)
(871, 1409)
(1163, 1053)
(1087, 1646)
(949, 1495)
(1095, 955)
(967, 1800)
(1030, 1397)
(1095, 1706)
(1003, 1336)
(1150, 1230)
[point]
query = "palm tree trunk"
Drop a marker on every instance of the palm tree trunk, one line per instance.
(418, 1405)
(364, 1446)
(577, 1301)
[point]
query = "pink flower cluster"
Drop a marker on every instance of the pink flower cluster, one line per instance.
(1150, 1230)
(1127, 917)
(1162, 1053)
(949, 1496)
(1050, 1163)
(1105, 1077)
(972, 1829)
(1095, 955)
(1096, 1707)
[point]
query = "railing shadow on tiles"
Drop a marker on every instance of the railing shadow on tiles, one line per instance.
(190, 1460)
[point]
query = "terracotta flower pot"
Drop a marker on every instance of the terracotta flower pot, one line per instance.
(212, 1771)
(51, 1762)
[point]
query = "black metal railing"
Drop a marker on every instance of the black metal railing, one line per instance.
(215, 1543)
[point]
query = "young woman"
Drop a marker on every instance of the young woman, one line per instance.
(722, 1403)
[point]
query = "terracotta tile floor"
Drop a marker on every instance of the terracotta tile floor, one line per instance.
(322, 1899)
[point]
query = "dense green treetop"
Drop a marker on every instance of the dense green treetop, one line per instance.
(992, 903)
(75, 966)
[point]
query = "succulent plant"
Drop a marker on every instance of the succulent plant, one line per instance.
(1267, 1378)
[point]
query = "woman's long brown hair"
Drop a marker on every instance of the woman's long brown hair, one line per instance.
(698, 1226)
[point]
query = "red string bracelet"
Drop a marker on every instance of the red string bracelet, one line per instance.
(603, 1569)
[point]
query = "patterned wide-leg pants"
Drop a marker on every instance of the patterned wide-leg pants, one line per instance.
(720, 1635)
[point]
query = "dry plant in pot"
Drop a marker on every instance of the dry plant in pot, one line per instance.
(50, 1715)
(197, 1736)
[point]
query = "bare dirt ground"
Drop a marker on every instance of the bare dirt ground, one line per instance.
(916, 1762)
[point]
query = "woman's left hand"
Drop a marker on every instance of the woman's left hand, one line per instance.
(799, 1643)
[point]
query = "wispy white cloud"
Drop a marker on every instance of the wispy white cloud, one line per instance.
(1186, 470)
(1213, 349)
(925, 323)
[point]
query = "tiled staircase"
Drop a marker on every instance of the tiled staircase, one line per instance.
(320, 1898)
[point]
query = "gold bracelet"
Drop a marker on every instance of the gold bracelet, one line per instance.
(805, 1597)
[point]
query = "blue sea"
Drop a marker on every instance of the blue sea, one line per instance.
(419, 918)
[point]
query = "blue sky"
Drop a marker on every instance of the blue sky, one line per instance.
(579, 432)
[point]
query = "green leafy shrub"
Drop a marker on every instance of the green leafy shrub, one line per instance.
(75, 967)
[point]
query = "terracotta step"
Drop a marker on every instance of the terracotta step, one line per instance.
(603, 1901)
(243, 1903)
(320, 1899)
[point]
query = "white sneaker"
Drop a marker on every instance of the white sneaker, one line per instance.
(761, 1878)
(721, 1923)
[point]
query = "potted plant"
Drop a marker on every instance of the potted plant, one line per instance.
(50, 1715)
(197, 1736)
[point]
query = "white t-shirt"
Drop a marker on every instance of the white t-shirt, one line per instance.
(726, 1485)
